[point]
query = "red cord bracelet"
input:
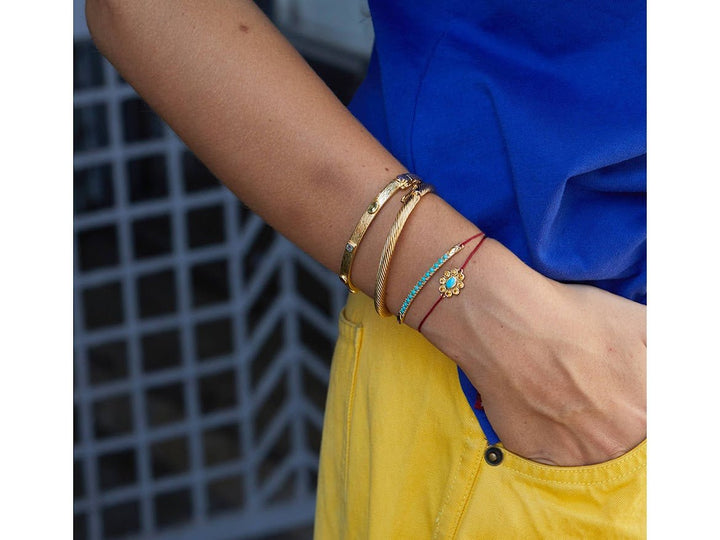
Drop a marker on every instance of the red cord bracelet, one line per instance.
(455, 276)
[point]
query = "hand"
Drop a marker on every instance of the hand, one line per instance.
(573, 392)
(561, 368)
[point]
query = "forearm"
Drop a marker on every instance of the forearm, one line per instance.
(248, 105)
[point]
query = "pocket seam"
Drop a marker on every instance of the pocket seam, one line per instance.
(517, 463)
(578, 482)
(354, 332)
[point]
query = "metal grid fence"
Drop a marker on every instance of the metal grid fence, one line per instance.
(202, 338)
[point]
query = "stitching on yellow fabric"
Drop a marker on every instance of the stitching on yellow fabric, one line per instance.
(571, 483)
(448, 494)
(357, 342)
(466, 495)
(470, 435)
(542, 468)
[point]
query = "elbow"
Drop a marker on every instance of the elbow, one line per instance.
(97, 15)
(103, 19)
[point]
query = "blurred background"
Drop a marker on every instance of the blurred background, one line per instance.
(202, 338)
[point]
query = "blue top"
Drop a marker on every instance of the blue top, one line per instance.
(529, 118)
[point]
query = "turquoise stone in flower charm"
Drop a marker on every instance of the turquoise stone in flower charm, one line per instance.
(451, 282)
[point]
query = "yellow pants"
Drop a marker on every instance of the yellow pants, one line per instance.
(403, 455)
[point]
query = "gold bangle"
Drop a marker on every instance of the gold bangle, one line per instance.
(402, 181)
(410, 201)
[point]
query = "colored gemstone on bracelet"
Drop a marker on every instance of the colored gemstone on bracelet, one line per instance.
(451, 288)
(373, 207)
(349, 247)
(451, 282)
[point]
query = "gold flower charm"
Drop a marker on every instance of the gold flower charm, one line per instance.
(451, 282)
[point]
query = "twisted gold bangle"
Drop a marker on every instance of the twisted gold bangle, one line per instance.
(410, 201)
(402, 181)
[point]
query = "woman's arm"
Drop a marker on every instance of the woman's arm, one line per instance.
(255, 113)
(248, 105)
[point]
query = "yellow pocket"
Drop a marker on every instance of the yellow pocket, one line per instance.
(514, 497)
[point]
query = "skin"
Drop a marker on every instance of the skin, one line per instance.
(561, 368)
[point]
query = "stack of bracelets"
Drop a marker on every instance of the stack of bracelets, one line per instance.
(451, 281)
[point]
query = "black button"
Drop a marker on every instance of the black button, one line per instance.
(493, 456)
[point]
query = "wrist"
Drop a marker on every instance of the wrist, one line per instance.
(436, 229)
(504, 304)
(431, 229)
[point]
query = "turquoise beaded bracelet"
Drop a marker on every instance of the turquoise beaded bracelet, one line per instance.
(427, 275)
(423, 280)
